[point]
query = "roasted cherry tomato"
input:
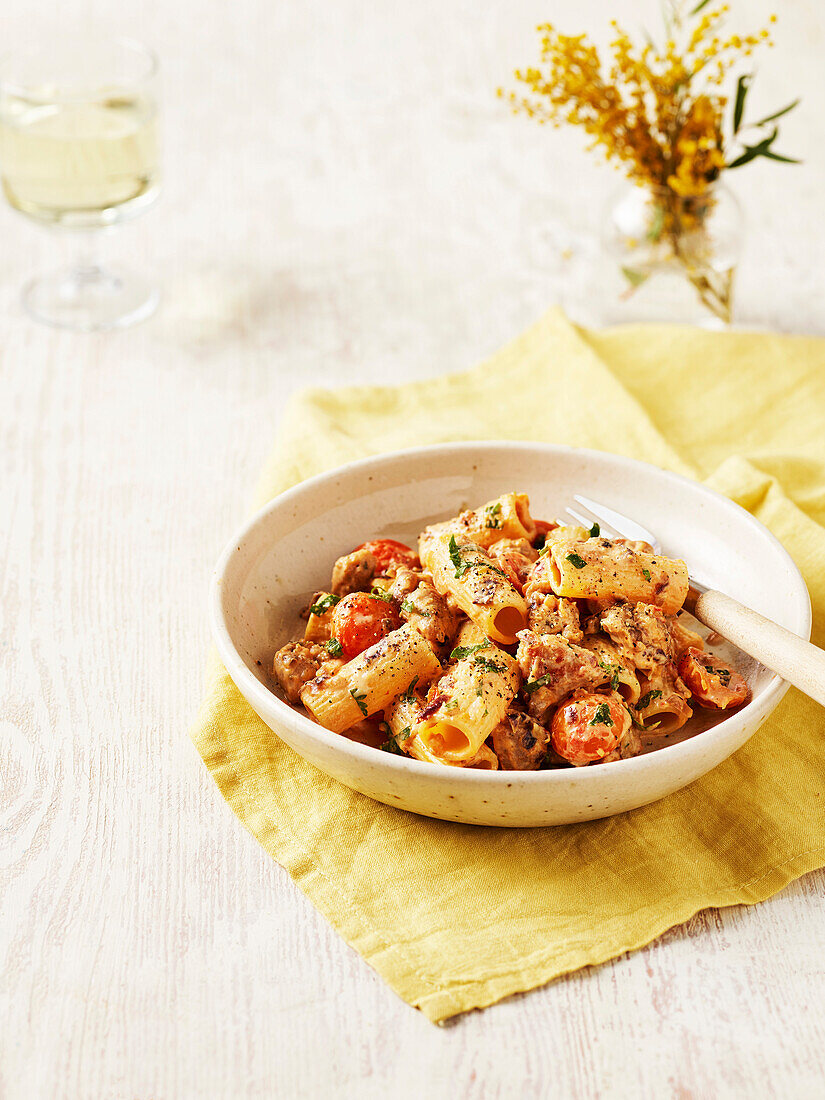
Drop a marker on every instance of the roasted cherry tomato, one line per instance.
(388, 552)
(588, 728)
(361, 620)
(713, 683)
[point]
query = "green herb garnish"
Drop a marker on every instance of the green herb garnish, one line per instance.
(461, 567)
(574, 559)
(595, 531)
(612, 671)
(408, 694)
(408, 607)
(405, 734)
(462, 651)
(380, 594)
(491, 514)
(359, 699)
(391, 745)
(542, 681)
(334, 646)
(647, 699)
(722, 673)
(489, 666)
(602, 716)
(324, 604)
(646, 574)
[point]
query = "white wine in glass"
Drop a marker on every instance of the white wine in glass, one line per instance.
(79, 150)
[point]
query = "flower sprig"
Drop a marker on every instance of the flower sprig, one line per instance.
(659, 110)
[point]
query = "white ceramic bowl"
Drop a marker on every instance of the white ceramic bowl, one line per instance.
(286, 551)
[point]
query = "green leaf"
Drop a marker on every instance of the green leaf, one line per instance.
(602, 716)
(380, 594)
(324, 604)
(753, 151)
(635, 278)
(462, 651)
(576, 560)
(595, 531)
(335, 648)
(360, 700)
(779, 114)
(543, 681)
(657, 224)
(647, 699)
(742, 86)
(761, 149)
(785, 160)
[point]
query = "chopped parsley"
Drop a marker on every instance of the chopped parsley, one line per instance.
(453, 703)
(405, 734)
(359, 699)
(612, 671)
(574, 559)
(647, 699)
(476, 562)
(489, 666)
(595, 531)
(380, 594)
(461, 651)
(324, 604)
(335, 648)
(543, 681)
(408, 607)
(391, 745)
(461, 567)
(408, 694)
(646, 574)
(722, 673)
(492, 514)
(602, 716)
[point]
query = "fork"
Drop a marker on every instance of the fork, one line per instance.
(799, 662)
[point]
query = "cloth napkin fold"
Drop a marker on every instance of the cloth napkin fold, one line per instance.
(456, 917)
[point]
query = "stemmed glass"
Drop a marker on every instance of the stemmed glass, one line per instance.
(79, 151)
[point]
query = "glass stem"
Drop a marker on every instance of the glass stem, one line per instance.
(86, 265)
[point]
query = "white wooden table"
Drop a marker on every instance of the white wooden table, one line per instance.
(346, 202)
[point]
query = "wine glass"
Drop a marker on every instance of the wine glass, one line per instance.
(79, 150)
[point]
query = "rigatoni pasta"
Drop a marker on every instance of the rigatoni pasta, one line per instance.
(504, 642)
(465, 571)
(371, 682)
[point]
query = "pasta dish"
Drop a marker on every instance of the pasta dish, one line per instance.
(504, 642)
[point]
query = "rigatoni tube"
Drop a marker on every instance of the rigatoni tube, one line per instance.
(462, 569)
(599, 567)
(372, 680)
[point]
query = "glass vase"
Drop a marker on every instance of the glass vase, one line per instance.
(670, 257)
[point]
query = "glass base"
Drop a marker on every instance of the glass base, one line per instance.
(90, 299)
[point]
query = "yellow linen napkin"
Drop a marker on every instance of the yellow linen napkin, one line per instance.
(456, 917)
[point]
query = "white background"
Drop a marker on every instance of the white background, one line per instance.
(346, 201)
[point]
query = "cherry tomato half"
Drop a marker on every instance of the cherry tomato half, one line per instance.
(388, 552)
(588, 728)
(713, 683)
(360, 620)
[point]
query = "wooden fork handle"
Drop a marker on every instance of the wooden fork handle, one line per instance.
(791, 657)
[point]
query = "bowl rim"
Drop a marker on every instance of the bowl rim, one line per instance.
(259, 695)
